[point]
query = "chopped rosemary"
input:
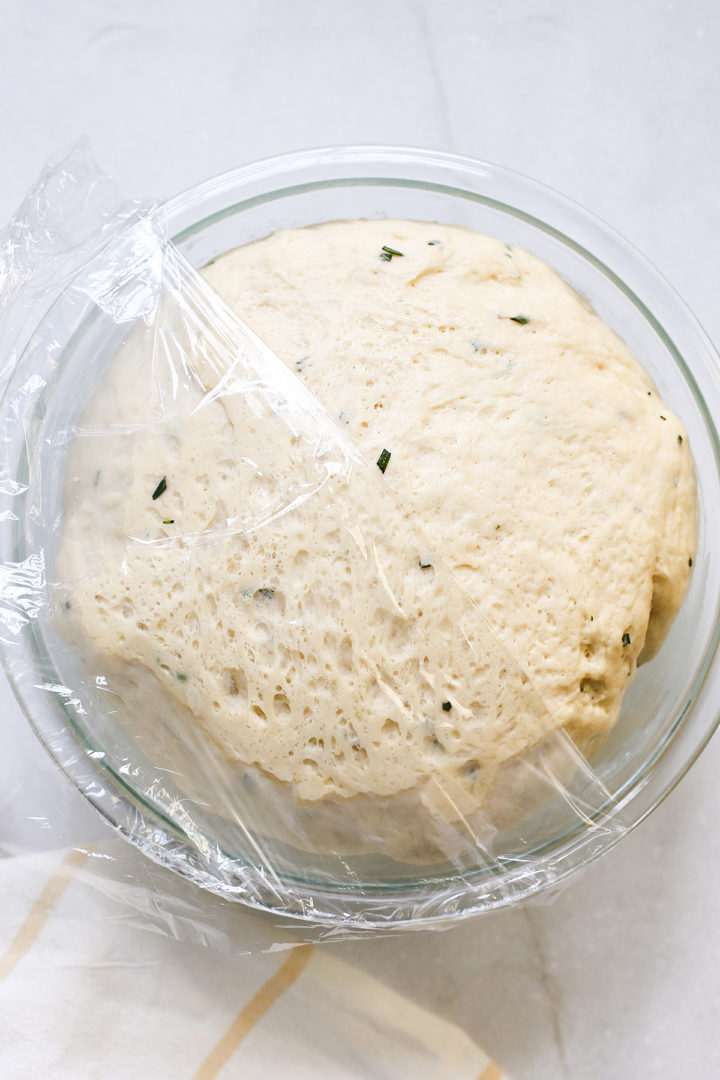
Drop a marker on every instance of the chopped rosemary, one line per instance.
(387, 253)
(382, 461)
(168, 521)
(523, 320)
(433, 243)
(162, 486)
(181, 678)
(626, 639)
(679, 440)
(446, 706)
(690, 561)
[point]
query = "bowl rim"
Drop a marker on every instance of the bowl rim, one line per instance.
(394, 158)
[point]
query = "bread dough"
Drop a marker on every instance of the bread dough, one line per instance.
(410, 630)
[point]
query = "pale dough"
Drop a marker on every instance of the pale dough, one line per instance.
(530, 538)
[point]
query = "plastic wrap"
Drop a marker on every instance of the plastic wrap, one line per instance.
(202, 577)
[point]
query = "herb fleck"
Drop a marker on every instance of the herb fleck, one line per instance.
(66, 605)
(679, 440)
(180, 677)
(301, 364)
(267, 593)
(433, 243)
(626, 639)
(663, 417)
(425, 563)
(523, 320)
(387, 253)
(690, 561)
(168, 521)
(162, 486)
(382, 461)
(446, 706)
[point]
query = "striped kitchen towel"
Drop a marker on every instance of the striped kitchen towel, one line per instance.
(84, 993)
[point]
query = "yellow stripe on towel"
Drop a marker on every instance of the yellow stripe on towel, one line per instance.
(254, 1011)
(38, 915)
(491, 1072)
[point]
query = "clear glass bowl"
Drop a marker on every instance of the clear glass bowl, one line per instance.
(670, 710)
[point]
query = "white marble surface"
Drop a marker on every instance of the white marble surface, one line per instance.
(618, 105)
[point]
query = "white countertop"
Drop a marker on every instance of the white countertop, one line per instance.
(615, 104)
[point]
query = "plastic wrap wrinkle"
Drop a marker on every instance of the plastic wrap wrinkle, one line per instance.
(73, 210)
(212, 802)
(22, 586)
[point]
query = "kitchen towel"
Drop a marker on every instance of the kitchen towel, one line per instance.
(87, 991)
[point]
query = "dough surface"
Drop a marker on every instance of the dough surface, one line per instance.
(528, 541)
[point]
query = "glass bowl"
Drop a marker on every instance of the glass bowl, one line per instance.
(669, 712)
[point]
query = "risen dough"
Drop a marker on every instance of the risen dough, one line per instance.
(529, 539)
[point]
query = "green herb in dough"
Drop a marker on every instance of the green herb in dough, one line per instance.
(382, 461)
